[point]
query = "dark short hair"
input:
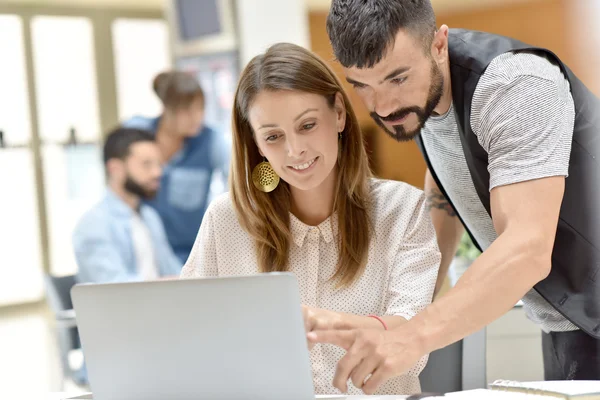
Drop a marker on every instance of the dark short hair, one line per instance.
(362, 31)
(118, 142)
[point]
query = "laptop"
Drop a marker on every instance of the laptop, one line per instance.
(216, 338)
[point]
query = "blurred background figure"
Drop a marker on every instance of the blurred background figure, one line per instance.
(193, 152)
(121, 239)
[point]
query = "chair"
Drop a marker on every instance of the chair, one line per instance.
(58, 292)
(459, 366)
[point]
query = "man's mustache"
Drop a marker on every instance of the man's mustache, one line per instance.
(397, 115)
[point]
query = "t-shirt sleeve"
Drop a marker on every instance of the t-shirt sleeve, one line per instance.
(523, 115)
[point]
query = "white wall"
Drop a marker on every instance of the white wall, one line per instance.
(261, 23)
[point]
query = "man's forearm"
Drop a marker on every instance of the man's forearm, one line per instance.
(448, 227)
(449, 231)
(491, 286)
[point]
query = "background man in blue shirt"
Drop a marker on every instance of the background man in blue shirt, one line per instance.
(121, 239)
(194, 155)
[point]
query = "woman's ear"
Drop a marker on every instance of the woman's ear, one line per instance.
(257, 147)
(340, 112)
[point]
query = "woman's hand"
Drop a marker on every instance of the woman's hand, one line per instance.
(317, 319)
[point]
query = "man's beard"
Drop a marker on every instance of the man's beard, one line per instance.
(136, 189)
(433, 98)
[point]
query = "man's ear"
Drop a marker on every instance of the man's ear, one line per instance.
(115, 168)
(439, 45)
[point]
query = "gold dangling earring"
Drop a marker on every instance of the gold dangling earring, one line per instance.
(264, 177)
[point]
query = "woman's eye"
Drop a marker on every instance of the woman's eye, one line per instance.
(271, 138)
(308, 126)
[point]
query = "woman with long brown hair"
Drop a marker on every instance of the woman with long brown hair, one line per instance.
(302, 200)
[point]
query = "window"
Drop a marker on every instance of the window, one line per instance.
(63, 53)
(20, 258)
(141, 51)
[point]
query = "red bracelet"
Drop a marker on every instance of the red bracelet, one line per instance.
(380, 320)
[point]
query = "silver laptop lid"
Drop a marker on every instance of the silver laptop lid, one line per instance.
(219, 338)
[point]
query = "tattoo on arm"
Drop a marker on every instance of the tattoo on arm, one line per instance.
(435, 199)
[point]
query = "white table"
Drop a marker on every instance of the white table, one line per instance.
(62, 396)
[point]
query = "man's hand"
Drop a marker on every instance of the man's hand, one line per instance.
(372, 356)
